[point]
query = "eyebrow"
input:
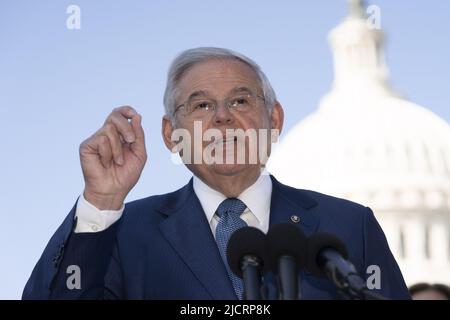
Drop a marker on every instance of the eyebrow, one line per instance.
(204, 93)
(241, 90)
(199, 93)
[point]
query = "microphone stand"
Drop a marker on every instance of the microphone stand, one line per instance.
(251, 277)
(353, 287)
(288, 283)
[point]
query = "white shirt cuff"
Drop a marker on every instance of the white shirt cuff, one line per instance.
(91, 219)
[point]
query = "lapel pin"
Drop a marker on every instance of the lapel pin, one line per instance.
(295, 218)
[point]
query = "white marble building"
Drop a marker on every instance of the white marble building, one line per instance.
(368, 144)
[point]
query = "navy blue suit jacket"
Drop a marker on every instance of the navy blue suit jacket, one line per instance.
(163, 248)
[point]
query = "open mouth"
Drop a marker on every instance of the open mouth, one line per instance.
(227, 141)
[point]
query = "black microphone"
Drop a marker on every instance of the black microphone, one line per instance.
(328, 257)
(287, 253)
(246, 256)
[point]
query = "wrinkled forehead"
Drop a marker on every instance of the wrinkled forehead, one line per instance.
(217, 77)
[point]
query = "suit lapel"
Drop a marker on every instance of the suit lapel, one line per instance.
(288, 204)
(189, 233)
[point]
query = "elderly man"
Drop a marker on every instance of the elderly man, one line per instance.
(172, 246)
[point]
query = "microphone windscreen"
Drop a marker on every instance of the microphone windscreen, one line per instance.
(246, 241)
(318, 242)
(286, 239)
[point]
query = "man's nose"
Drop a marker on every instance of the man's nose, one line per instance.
(222, 115)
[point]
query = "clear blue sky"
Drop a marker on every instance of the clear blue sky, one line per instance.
(58, 85)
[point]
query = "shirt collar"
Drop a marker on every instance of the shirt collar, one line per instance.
(256, 197)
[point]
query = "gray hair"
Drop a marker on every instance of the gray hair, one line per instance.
(188, 58)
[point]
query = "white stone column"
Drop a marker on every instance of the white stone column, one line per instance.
(414, 231)
(439, 244)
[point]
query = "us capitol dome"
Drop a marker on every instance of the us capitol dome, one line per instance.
(368, 144)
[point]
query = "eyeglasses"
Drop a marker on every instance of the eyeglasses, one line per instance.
(201, 107)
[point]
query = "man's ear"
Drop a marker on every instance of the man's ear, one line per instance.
(166, 131)
(277, 117)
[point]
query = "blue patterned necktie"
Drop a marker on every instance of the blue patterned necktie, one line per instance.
(229, 212)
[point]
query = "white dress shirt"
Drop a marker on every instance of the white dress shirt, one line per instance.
(256, 198)
(91, 219)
